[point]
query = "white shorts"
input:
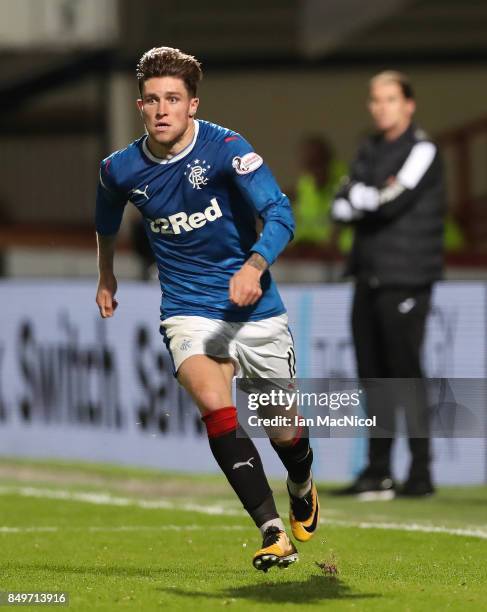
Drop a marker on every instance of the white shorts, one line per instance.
(259, 349)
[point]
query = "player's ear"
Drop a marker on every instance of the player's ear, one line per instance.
(193, 106)
(140, 105)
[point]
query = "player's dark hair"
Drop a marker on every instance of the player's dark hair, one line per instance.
(166, 61)
(396, 77)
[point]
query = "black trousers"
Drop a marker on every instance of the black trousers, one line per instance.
(388, 326)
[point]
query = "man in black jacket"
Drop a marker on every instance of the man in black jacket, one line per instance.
(396, 200)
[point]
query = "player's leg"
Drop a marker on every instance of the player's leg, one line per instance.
(204, 356)
(304, 508)
(208, 381)
(266, 350)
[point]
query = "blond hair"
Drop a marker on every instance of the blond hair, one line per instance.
(394, 76)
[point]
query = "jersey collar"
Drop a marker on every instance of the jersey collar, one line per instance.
(177, 157)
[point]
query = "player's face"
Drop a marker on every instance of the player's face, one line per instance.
(167, 110)
(390, 109)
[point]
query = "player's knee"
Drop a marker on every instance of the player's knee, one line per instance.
(209, 400)
(283, 440)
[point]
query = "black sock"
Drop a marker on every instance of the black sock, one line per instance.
(297, 457)
(240, 462)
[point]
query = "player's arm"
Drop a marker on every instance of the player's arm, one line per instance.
(362, 201)
(260, 189)
(107, 282)
(245, 286)
(110, 205)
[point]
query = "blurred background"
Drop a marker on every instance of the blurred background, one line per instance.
(292, 77)
(275, 71)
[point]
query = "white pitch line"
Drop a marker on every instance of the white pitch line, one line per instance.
(473, 532)
(108, 499)
(470, 532)
(125, 528)
(27, 529)
(173, 528)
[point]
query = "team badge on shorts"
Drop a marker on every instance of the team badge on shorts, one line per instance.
(196, 172)
(185, 345)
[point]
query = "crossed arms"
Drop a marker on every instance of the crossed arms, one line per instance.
(357, 200)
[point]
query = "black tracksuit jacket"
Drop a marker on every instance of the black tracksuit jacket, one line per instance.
(401, 242)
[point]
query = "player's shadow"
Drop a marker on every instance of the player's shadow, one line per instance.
(312, 590)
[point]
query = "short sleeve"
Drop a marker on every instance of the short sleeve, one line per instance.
(110, 201)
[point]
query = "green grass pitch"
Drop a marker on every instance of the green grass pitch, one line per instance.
(117, 538)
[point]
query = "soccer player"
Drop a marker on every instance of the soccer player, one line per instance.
(200, 188)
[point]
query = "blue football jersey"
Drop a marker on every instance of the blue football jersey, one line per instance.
(200, 210)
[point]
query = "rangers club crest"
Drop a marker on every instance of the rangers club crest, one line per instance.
(196, 172)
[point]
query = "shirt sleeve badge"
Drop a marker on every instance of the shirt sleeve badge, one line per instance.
(247, 163)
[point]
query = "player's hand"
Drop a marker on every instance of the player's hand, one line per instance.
(107, 287)
(245, 287)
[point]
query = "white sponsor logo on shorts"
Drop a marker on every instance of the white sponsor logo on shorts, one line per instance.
(247, 163)
(242, 463)
(180, 221)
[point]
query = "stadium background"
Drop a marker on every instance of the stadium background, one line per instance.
(85, 404)
(67, 100)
